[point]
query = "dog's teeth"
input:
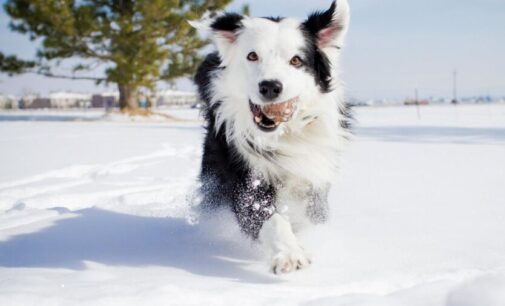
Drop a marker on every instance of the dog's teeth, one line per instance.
(267, 126)
(274, 113)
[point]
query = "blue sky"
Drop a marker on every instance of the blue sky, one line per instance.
(393, 47)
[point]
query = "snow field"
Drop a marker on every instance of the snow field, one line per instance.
(96, 212)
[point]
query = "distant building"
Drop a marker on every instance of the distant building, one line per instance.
(26, 101)
(64, 100)
(382, 102)
(416, 102)
(60, 100)
(39, 103)
(165, 98)
(354, 102)
(105, 100)
(69, 100)
(8, 102)
(174, 98)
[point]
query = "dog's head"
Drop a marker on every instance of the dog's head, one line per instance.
(275, 68)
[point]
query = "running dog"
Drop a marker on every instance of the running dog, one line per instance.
(276, 123)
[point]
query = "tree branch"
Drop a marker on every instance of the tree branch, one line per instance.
(68, 77)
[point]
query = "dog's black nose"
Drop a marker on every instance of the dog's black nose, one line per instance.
(270, 89)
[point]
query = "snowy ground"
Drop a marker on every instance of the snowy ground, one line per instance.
(96, 213)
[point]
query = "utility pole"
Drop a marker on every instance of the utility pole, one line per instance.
(455, 87)
(417, 104)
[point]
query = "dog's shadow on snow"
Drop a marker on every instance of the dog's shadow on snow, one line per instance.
(124, 240)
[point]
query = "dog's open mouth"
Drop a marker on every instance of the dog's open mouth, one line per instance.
(268, 117)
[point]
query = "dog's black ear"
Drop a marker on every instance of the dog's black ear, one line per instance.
(329, 27)
(225, 28)
(228, 26)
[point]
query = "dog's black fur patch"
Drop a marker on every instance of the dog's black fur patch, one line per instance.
(317, 62)
(225, 177)
(228, 22)
(320, 20)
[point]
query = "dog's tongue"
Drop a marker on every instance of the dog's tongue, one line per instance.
(280, 112)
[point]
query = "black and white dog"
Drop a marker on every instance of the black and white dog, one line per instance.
(276, 123)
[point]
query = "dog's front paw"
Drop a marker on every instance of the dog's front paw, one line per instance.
(289, 261)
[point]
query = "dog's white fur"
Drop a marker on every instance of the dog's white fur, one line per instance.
(308, 146)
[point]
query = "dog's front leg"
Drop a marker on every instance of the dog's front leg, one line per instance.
(278, 235)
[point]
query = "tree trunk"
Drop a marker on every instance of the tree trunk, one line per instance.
(128, 99)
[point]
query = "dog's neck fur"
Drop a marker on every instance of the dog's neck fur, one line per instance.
(305, 150)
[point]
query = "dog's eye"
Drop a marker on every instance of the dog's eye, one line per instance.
(296, 61)
(252, 56)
